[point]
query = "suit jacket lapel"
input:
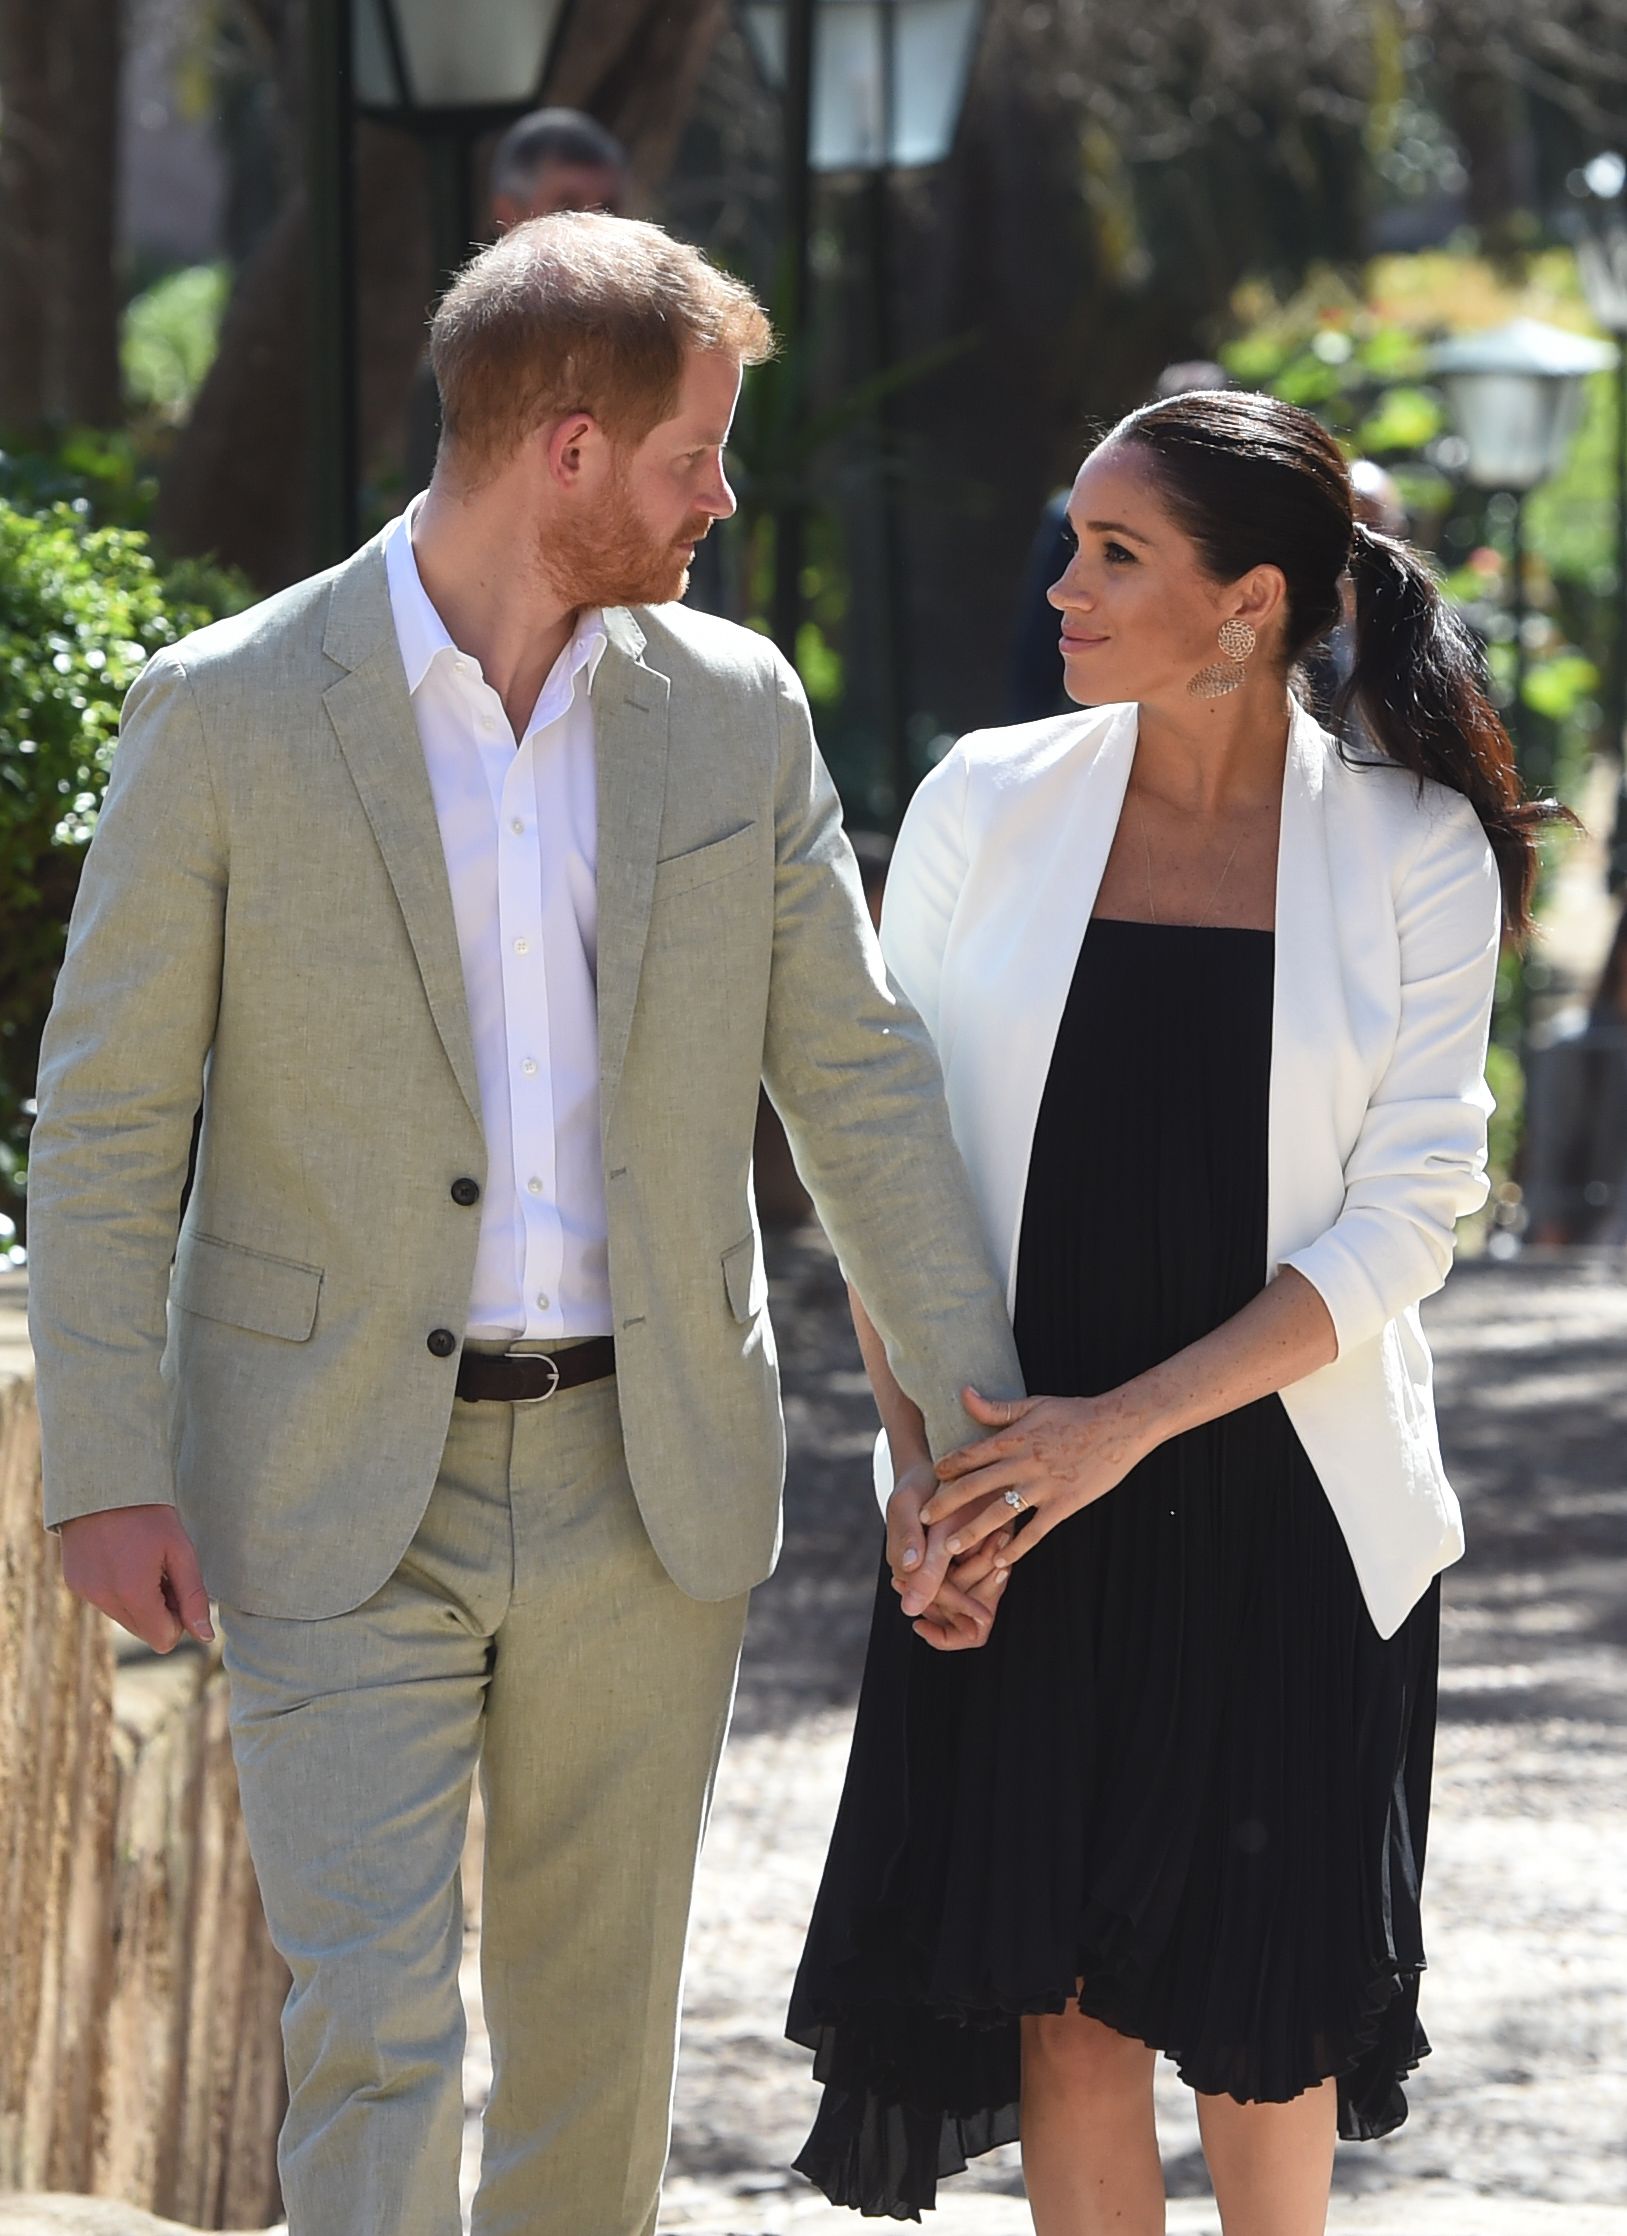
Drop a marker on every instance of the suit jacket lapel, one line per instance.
(373, 719)
(630, 722)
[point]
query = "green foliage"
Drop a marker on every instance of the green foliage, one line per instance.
(1359, 360)
(171, 333)
(1571, 521)
(82, 606)
(1334, 354)
(101, 476)
(1505, 1073)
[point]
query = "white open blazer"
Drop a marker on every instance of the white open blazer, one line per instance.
(1388, 929)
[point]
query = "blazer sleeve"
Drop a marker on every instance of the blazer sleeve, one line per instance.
(851, 1069)
(120, 1081)
(924, 879)
(1419, 1160)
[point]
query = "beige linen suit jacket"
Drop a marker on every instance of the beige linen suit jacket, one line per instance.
(265, 926)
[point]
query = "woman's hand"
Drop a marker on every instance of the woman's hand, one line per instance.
(1057, 1454)
(950, 1615)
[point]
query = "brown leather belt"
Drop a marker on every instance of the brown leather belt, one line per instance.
(528, 1377)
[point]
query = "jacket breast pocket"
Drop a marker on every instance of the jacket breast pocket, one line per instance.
(246, 1288)
(704, 865)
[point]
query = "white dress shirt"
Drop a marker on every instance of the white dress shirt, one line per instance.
(518, 825)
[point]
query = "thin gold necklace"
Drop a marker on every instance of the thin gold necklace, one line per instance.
(1146, 851)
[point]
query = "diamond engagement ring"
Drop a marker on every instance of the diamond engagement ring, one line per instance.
(1016, 1501)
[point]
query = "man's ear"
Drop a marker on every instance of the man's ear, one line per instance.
(571, 445)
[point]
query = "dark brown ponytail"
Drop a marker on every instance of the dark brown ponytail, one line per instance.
(1257, 482)
(1418, 687)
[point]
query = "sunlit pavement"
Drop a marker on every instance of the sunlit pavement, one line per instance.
(1519, 2118)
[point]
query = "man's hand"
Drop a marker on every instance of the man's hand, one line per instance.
(136, 1564)
(944, 1613)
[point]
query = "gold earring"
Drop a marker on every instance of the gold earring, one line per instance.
(1237, 639)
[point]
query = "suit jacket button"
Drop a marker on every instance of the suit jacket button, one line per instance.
(442, 1342)
(466, 1192)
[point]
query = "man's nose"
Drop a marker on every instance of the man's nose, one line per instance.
(720, 500)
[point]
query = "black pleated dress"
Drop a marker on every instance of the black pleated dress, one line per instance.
(1185, 1784)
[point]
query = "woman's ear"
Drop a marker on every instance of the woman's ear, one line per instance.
(1261, 598)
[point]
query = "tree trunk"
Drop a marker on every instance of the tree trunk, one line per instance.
(85, 309)
(234, 484)
(27, 194)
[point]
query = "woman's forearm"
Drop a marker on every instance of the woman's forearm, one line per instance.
(1280, 1336)
(1056, 1455)
(901, 1418)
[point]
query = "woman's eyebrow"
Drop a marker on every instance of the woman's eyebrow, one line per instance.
(1115, 528)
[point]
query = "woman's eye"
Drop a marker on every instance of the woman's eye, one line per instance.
(1116, 555)
(1070, 541)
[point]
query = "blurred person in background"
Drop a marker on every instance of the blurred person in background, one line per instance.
(1213, 993)
(553, 160)
(1378, 504)
(550, 161)
(1573, 1165)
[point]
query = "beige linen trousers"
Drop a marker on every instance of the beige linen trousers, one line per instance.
(407, 1583)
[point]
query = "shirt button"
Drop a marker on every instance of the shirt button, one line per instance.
(529, 1066)
(522, 947)
(535, 1187)
(543, 1303)
(442, 1342)
(465, 1192)
(488, 721)
(517, 827)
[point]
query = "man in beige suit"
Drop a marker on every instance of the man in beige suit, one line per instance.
(473, 888)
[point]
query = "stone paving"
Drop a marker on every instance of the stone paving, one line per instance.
(1519, 2124)
(1519, 2120)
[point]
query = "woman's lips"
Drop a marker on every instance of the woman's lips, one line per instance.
(1080, 644)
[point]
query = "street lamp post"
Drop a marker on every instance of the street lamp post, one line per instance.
(1601, 253)
(332, 448)
(448, 75)
(790, 516)
(1516, 395)
(885, 81)
(445, 75)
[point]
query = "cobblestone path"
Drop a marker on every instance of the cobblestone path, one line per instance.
(1519, 2120)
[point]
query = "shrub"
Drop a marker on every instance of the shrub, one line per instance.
(171, 333)
(81, 608)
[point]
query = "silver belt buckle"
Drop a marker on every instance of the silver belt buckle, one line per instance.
(537, 1358)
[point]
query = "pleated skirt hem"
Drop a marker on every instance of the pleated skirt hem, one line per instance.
(879, 2149)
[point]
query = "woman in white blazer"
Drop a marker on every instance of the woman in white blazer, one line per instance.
(1212, 995)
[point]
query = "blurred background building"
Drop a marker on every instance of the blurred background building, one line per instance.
(986, 226)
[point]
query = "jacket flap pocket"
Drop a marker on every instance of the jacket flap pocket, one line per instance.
(246, 1288)
(704, 865)
(746, 1279)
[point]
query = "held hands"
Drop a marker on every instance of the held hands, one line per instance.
(1058, 1454)
(136, 1563)
(947, 1614)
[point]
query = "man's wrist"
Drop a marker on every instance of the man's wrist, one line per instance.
(909, 1459)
